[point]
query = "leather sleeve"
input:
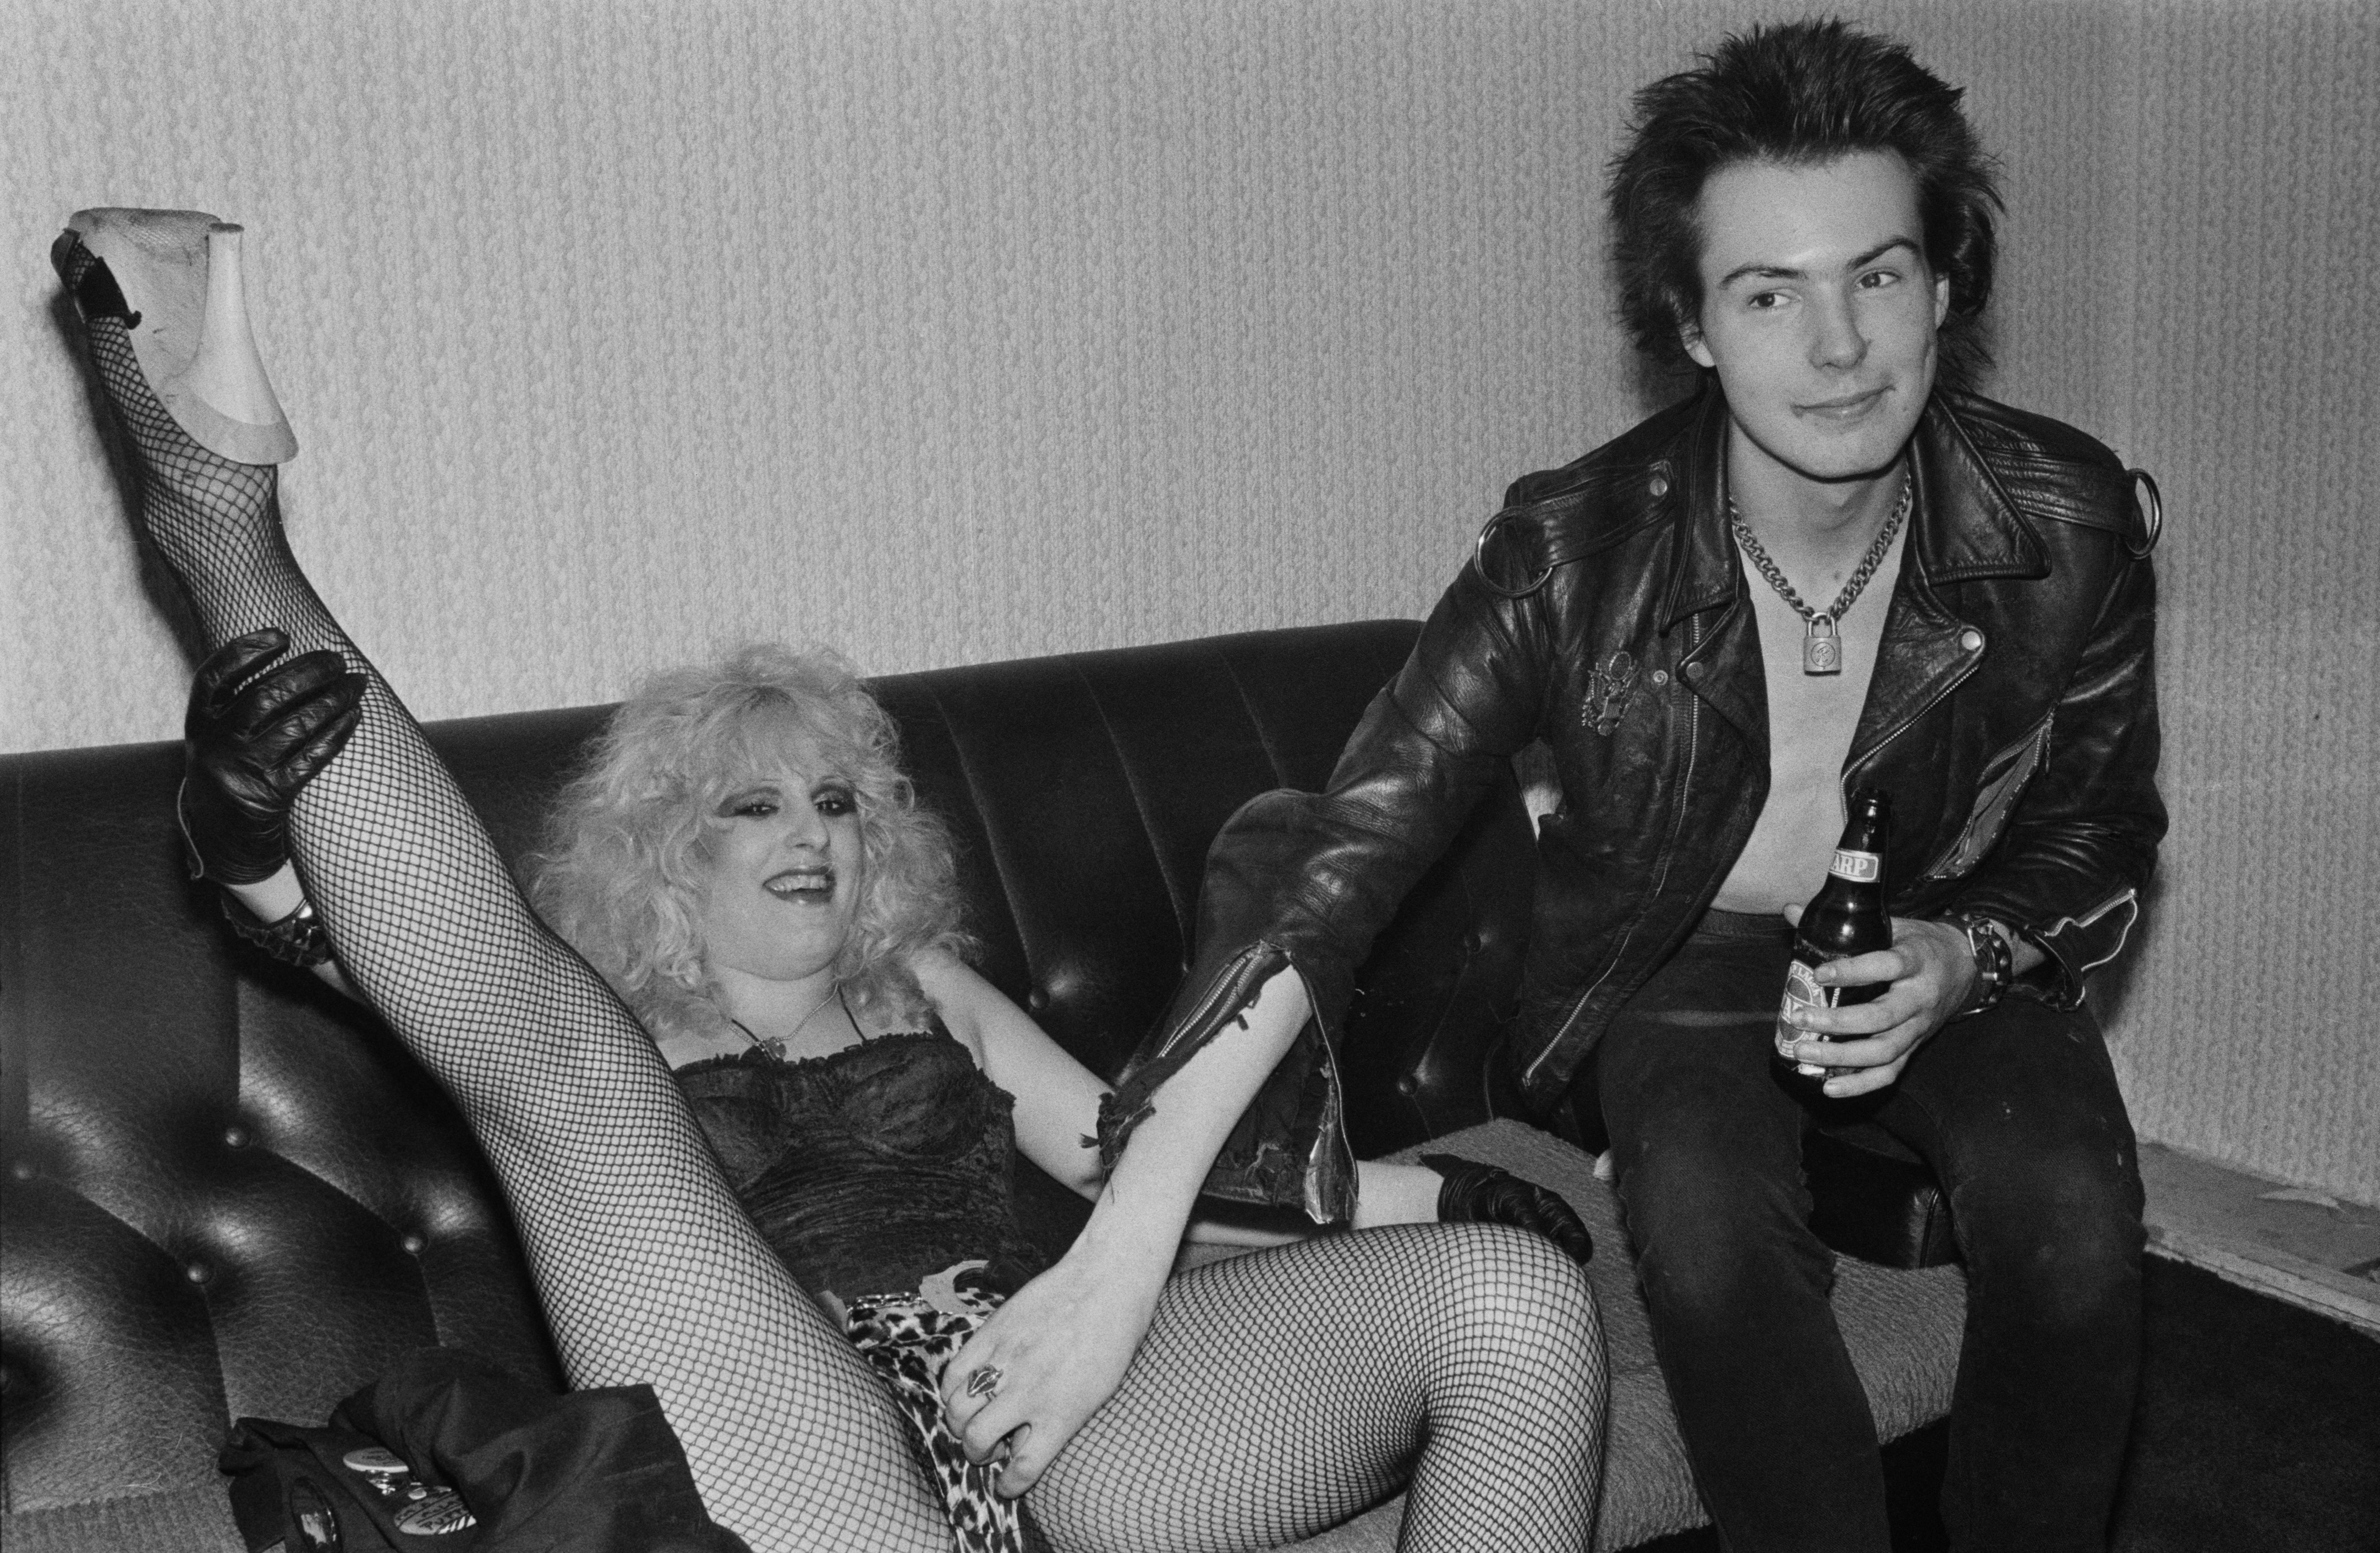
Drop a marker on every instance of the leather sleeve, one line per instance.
(1309, 879)
(2082, 842)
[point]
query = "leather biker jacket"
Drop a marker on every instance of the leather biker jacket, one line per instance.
(2011, 715)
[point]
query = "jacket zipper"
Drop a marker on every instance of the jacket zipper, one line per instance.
(1232, 985)
(1843, 781)
(1669, 853)
(2127, 896)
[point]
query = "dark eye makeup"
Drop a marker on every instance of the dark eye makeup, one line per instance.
(833, 799)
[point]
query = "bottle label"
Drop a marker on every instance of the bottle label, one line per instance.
(1802, 991)
(1859, 867)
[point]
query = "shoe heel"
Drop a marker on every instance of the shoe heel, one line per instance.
(178, 276)
(223, 400)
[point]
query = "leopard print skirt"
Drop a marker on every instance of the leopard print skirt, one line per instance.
(909, 1339)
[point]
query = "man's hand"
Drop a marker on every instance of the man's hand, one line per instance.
(1033, 1374)
(252, 737)
(1930, 970)
(1471, 1193)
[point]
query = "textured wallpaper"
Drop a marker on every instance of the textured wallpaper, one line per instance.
(2240, 366)
(954, 332)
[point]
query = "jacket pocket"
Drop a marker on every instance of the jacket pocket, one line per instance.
(2003, 781)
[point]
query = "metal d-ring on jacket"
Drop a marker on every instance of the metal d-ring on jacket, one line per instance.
(2011, 715)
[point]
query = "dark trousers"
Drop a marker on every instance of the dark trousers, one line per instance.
(2017, 1114)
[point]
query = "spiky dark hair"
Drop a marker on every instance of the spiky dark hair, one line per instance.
(1796, 94)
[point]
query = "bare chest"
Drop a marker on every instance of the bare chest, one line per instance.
(1811, 721)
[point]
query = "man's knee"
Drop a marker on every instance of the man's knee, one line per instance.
(2058, 1227)
(1712, 1231)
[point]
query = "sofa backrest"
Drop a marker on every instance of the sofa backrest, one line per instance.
(229, 1193)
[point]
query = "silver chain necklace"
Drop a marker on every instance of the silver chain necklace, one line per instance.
(1822, 651)
(776, 1048)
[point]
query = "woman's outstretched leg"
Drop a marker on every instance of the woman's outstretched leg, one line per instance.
(649, 1270)
(1281, 1392)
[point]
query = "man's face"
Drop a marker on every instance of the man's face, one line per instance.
(1818, 312)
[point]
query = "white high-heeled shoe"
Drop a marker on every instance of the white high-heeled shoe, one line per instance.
(178, 275)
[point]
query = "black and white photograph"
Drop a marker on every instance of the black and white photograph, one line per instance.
(1188, 776)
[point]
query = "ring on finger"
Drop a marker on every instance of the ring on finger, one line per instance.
(985, 1382)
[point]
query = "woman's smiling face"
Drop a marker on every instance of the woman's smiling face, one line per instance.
(783, 865)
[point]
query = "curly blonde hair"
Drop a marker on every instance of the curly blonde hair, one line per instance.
(620, 872)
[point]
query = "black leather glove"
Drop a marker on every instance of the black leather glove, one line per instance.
(1477, 1194)
(253, 736)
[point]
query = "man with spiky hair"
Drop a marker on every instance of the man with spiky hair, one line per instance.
(1831, 567)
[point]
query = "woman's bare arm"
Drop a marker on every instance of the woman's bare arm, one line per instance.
(1057, 1109)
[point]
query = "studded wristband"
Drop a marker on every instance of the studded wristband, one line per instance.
(297, 939)
(1995, 964)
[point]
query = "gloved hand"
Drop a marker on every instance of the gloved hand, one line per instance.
(1477, 1194)
(250, 740)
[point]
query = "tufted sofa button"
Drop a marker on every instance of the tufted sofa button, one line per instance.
(198, 1272)
(22, 1169)
(413, 1244)
(1472, 943)
(1037, 1000)
(235, 1136)
(1408, 1084)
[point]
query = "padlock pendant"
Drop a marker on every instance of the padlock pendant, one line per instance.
(1821, 653)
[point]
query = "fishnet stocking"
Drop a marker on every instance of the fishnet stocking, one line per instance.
(1280, 1393)
(649, 1270)
(1256, 1412)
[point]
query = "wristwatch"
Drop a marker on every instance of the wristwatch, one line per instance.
(1995, 962)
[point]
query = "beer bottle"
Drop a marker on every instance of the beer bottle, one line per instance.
(1846, 918)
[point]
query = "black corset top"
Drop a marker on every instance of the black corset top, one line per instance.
(874, 1167)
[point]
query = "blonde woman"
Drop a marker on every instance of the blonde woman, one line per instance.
(781, 1198)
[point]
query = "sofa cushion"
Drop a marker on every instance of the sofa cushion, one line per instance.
(1901, 1325)
(228, 1193)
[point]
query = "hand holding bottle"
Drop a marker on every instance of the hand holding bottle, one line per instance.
(1864, 989)
(1924, 978)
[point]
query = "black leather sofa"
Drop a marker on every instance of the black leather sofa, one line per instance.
(229, 1193)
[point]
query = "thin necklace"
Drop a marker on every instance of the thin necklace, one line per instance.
(777, 1048)
(1822, 653)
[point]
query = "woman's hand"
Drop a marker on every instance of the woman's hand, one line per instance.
(1033, 1374)
(1930, 971)
(251, 738)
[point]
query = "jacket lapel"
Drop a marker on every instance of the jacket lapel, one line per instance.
(1964, 528)
(1724, 669)
(1702, 573)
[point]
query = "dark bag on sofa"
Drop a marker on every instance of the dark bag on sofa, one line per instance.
(447, 1453)
(300, 1490)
